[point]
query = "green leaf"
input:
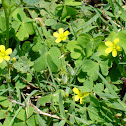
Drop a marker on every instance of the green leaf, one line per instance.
(97, 40)
(72, 3)
(30, 111)
(71, 11)
(41, 63)
(31, 121)
(61, 106)
(21, 115)
(2, 24)
(94, 101)
(81, 76)
(70, 70)
(84, 40)
(2, 114)
(94, 113)
(22, 34)
(54, 51)
(54, 63)
(104, 67)
(53, 59)
(20, 84)
(75, 54)
(26, 47)
(64, 13)
(23, 64)
(31, 1)
(4, 101)
(107, 85)
(67, 12)
(82, 120)
(12, 2)
(23, 25)
(62, 123)
(122, 37)
(7, 121)
(98, 88)
(72, 45)
(29, 27)
(3, 64)
(47, 98)
(55, 95)
(88, 85)
(29, 77)
(19, 124)
(90, 67)
(38, 47)
(44, 99)
(50, 22)
(101, 49)
(106, 96)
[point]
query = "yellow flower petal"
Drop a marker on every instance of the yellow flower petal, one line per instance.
(108, 50)
(7, 58)
(80, 100)
(60, 30)
(55, 34)
(118, 48)
(8, 51)
(1, 59)
(64, 38)
(66, 33)
(76, 97)
(116, 41)
(114, 53)
(85, 94)
(2, 48)
(58, 40)
(75, 90)
(108, 43)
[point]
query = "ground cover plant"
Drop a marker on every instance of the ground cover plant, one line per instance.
(62, 62)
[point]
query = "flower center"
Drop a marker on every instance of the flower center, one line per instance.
(2, 54)
(114, 46)
(61, 36)
(81, 94)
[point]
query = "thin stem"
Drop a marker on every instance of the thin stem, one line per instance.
(37, 79)
(15, 8)
(8, 78)
(7, 22)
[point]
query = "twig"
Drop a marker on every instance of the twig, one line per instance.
(28, 82)
(13, 101)
(109, 18)
(35, 109)
(43, 113)
(40, 21)
(64, 54)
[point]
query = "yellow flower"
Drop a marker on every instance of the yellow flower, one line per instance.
(79, 95)
(112, 47)
(13, 59)
(4, 54)
(61, 35)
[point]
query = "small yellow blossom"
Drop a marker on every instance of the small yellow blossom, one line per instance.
(112, 47)
(66, 95)
(61, 35)
(13, 59)
(79, 95)
(4, 54)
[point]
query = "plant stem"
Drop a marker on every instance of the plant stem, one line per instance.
(7, 22)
